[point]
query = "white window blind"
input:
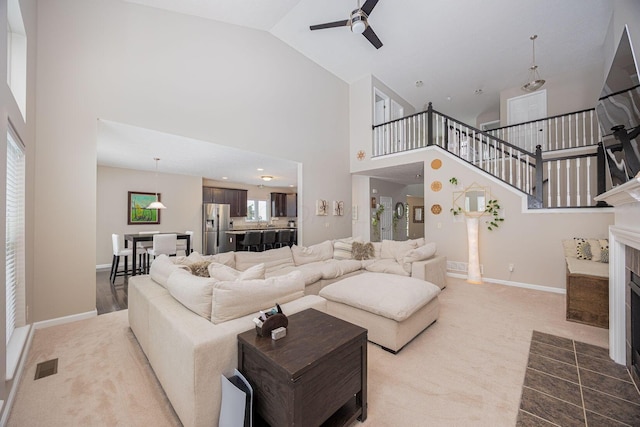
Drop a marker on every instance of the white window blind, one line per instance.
(15, 235)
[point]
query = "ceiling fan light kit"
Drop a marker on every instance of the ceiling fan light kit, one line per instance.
(535, 82)
(357, 22)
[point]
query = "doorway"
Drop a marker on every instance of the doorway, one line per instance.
(523, 109)
(386, 227)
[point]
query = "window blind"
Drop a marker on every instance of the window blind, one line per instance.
(15, 235)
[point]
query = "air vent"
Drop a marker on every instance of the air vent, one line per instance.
(44, 369)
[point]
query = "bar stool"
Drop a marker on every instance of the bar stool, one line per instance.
(163, 244)
(268, 239)
(284, 236)
(251, 240)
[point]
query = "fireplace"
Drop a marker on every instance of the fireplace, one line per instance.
(634, 320)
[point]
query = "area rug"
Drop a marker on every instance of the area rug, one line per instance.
(570, 383)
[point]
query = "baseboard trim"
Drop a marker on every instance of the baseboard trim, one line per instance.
(66, 319)
(6, 408)
(514, 284)
(103, 266)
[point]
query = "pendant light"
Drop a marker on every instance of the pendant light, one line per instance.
(157, 204)
(535, 82)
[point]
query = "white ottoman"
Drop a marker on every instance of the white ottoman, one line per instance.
(394, 309)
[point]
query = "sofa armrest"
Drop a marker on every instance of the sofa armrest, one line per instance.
(432, 270)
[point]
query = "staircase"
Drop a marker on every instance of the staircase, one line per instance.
(558, 162)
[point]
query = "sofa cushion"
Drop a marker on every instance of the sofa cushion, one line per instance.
(188, 260)
(386, 266)
(226, 258)
(310, 273)
(273, 259)
(223, 272)
(396, 249)
(320, 252)
(192, 291)
(236, 299)
(420, 253)
(162, 267)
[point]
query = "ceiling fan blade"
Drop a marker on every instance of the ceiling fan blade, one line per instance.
(368, 6)
(371, 36)
(330, 25)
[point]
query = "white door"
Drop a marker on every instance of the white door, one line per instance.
(525, 108)
(386, 222)
(381, 112)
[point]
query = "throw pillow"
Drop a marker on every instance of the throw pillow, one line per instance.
(342, 249)
(320, 252)
(191, 291)
(200, 269)
(362, 251)
(604, 250)
(583, 248)
(161, 269)
(226, 273)
(421, 253)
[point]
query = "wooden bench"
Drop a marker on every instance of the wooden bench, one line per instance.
(587, 292)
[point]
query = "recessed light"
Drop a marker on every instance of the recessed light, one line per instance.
(224, 177)
(448, 98)
(291, 185)
(260, 169)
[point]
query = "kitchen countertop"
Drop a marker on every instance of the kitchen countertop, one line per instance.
(243, 231)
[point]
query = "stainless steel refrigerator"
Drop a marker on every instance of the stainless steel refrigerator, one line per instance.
(215, 222)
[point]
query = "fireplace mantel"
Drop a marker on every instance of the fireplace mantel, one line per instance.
(626, 232)
(629, 192)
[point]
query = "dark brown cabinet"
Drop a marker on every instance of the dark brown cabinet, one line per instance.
(236, 199)
(284, 205)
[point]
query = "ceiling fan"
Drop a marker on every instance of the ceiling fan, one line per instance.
(358, 23)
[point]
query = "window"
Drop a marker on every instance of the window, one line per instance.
(15, 235)
(257, 210)
(17, 55)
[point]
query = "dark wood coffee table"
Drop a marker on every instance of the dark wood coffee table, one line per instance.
(316, 374)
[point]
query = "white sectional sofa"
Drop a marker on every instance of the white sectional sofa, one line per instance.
(187, 325)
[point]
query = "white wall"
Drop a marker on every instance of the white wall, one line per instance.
(181, 194)
(177, 74)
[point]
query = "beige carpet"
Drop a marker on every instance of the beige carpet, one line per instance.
(466, 369)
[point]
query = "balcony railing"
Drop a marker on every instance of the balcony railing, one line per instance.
(551, 178)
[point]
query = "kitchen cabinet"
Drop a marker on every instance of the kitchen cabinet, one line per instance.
(284, 204)
(235, 198)
(278, 205)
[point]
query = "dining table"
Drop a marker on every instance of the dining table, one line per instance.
(134, 238)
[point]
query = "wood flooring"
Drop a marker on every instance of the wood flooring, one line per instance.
(109, 297)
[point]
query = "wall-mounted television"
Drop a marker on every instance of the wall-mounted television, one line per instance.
(618, 112)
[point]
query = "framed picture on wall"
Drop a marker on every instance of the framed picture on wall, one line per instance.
(418, 214)
(137, 212)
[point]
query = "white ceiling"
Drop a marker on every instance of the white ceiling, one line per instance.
(454, 47)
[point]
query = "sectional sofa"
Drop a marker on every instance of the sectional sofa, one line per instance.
(187, 324)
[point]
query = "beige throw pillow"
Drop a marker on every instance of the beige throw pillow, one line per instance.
(161, 269)
(192, 291)
(225, 273)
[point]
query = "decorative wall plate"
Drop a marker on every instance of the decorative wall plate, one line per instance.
(361, 155)
(436, 209)
(436, 164)
(436, 186)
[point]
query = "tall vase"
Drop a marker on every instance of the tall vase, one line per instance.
(473, 270)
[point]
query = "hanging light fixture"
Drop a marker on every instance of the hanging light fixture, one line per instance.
(535, 82)
(157, 204)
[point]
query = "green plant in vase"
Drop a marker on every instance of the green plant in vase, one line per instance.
(375, 222)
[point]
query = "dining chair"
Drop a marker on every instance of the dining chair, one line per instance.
(142, 247)
(163, 244)
(251, 240)
(117, 242)
(181, 246)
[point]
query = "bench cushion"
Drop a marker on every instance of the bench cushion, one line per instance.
(587, 267)
(391, 296)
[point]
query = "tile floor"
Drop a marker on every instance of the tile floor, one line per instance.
(569, 383)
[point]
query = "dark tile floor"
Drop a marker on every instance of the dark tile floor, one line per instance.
(569, 383)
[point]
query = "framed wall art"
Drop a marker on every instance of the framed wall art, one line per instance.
(137, 212)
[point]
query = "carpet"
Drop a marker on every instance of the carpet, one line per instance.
(464, 370)
(570, 383)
